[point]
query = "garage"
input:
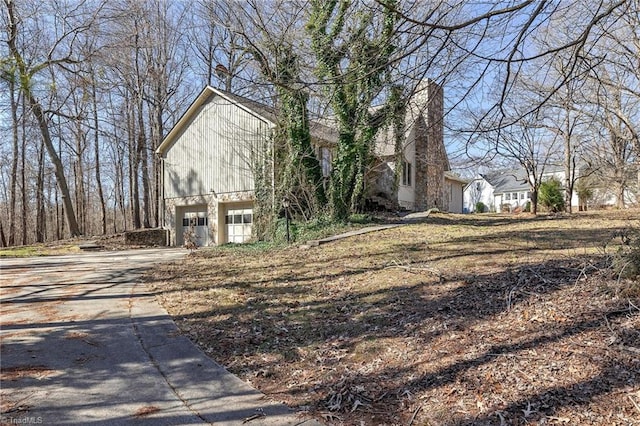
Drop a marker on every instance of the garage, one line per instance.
(238, 223)
(193, 217)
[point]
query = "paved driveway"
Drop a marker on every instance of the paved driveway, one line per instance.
(84, 343)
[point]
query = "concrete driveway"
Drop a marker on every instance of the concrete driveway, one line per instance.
(84, 343)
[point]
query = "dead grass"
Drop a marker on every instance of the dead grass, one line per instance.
(460, 320)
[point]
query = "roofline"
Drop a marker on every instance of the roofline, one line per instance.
(452, 176)
(204, 95)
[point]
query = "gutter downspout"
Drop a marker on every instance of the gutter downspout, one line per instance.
(162, 202)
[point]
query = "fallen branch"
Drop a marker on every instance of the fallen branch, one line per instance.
(415, 413)
(635, 404)
(259, 415)
(418, 269)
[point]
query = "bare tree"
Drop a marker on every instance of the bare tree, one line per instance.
(216, 39)
(62, 57)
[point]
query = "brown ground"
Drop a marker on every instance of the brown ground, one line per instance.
(459, 320)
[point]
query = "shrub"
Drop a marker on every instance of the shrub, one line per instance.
(480, 207)
(360, 218)
(626, 262)
(550, 195)
(190, 239)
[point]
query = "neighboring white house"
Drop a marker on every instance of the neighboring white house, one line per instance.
(509, 191)
(208, 168)
(498, 192)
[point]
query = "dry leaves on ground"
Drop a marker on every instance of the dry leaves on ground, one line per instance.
(459, 320)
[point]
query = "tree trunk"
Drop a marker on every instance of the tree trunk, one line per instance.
(78, 171)
(96, 144)
(14, 162)
(568, 181)
(534, 202)
(144, 161)
(74, 230)
(3, 238)
(156, 139)
(23, 183)
(135, 191)
(41, 221)
(58, 215)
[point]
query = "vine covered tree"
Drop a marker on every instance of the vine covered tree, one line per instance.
(353, 46)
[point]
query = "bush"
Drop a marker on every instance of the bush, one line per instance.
(626, 262)
(360, 218)
(480, 207)
(550, 195)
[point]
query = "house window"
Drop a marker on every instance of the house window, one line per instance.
(523, 195)
(406, 173)
(507, 196)
(325, 161)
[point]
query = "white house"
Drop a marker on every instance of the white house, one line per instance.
(498, 192)
(208, 161)
(509, 191)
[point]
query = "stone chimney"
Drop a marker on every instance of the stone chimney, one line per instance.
(430, 155)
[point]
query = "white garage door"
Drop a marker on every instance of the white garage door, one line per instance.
(198, 221)
(239, 222)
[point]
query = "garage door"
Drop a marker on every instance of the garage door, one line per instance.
(239, 222)
(199, 222)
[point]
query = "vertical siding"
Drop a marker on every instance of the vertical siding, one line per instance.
(215, 151)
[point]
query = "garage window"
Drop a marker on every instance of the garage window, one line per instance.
(195, 219)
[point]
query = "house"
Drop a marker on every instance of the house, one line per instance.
(502, 191)
(208, 162)
(426, 179)
(509, 191)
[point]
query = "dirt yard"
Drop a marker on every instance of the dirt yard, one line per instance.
(458, 320)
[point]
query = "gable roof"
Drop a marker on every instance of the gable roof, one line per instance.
(265, 113)
(454, 177)
(254, 108)
(507, 181)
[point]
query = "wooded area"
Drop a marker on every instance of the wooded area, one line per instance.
(89, 89)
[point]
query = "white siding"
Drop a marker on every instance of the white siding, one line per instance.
(215, 151)
(407, 194)
(478, 190)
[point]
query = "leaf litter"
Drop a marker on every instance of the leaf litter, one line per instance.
(459, 320)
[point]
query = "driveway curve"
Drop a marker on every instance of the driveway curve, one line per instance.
(82, 342)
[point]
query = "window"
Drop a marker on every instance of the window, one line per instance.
(514, 196)
(239, 217)
(325, 161)
(406, 173)
(195, 219)
(507, 196)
